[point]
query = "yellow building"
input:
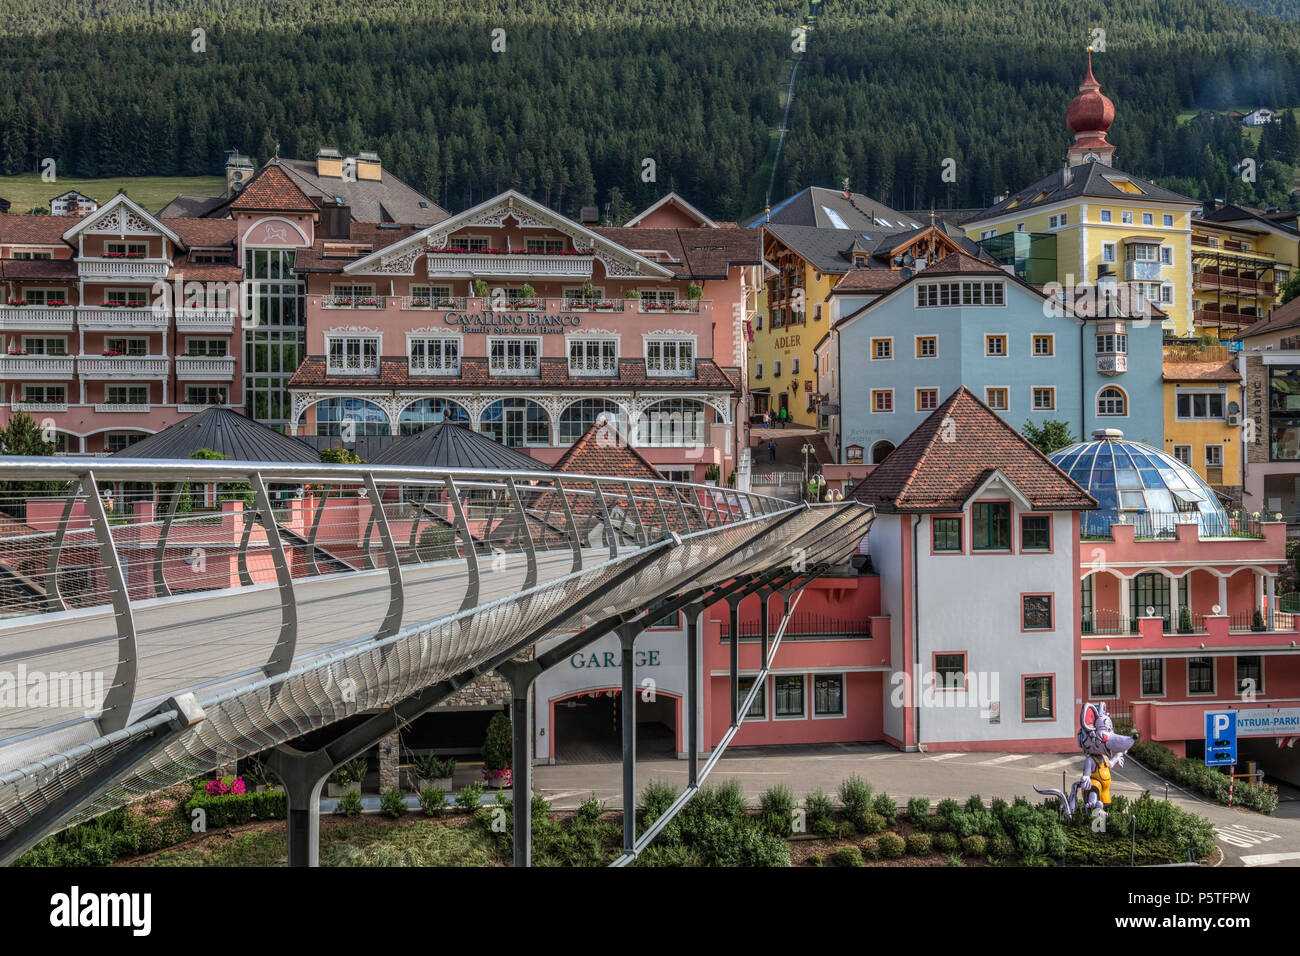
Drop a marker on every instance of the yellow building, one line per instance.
(1091, 225)
(1241, 259)
(803, 264)
(1203, 414)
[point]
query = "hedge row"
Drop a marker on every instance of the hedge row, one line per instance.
(1192, 774)
(232, 809)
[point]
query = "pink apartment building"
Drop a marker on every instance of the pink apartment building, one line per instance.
(117, 323)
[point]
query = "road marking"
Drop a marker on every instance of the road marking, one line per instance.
(1006, 758)
(1239, 835)
(947, 756)
(1058, 764)
(1267, 859)
(880, 757)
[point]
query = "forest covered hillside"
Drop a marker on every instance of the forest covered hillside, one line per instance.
(580, 97)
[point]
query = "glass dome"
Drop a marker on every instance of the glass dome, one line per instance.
(1133, 478)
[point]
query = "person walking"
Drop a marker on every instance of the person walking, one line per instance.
(783, 414)
(771, 450)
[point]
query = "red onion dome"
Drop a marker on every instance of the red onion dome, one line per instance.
(1090, 111)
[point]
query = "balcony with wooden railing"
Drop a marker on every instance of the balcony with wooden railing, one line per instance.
(130, 269)
(37, 318)
(1223, 318)
(1215, 281)
(35, 367)
(124, 319)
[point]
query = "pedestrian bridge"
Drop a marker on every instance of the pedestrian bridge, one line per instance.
(163, 619)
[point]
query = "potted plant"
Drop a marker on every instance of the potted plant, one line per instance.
(588, 292)
(497, 750)
(347, 777)
(1184, 620)
(694, 291)
(419, 303)
(446, 303)
(1257, 622)
(712, 474)
(433, 771)
(480, 289)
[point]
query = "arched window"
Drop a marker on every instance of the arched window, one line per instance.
(582, 414)
(1112, 401)
(516, 422)
(674, 421)
(880, 451)
(333, 415)
(428, 412)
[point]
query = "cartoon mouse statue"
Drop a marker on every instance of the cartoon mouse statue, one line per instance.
(1103, 749)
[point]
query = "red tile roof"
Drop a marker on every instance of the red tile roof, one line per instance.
(869, 280)
(36, 230)
(272, 189)
(700, 253)
(1225, 371)
(203, 232)
(956, 263)
(603, 450)
(953, 452)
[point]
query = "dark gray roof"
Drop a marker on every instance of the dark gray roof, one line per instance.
(1236, 213)
(1086, 179)
(190, 207)
(813, 207)
(831, 250)
(230, 434)
(448, 445)
(385, 200)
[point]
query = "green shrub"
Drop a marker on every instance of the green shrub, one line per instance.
(974, 803)
(847, 856)
(349, 804)
(944, 843)
(918, 812)
(1054, 841)
(659, 795)
(815, 860)
(954, 859)
(1001, 847)
(392, 802)
(777, 799)
(825, 827)
(271, 805)
(975, 846)
(1030, 840)
(918, 844)
(885, 806)
(1035, 861)
(945, 813)
(158, 821)
(891, 845)
(871, 822)
(97, 842)
(820, 812)
(433, 801)
(470, 796)
(855, 796)
(589, 811)
(729, 799)
(998, 807)
(497, 745)
(978, 822)
(870, 850)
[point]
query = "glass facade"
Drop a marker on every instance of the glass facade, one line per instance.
(275, 333)
(1284, 413)
(1031, 254)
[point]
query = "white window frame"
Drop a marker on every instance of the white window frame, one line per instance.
(1213, 464)
(220, 391)
(916, 346)
(128, 389)
(1179, 392)
(1106, 215)
(811, 689)
(521, 364)
(128, 248)
(1148, 219)
(605, 348)
(678, 343)
(423, 365)
(794, 365)
(883, 411)
(1005, 390)
(45, 341)
(1051, 344)
(1185, 458)
(803, 698)
(1033, 398)
(1164, 679)
(360, 338)
(889, 341)
(1168, 220)
(1126, 217)
(1214, 678)
(1108, 252)
(927, 388)
(133, 298)
(1097, 402)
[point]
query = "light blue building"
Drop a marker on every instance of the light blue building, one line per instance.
(1028, 356)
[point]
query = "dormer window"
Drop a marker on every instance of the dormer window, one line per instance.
(352, 354)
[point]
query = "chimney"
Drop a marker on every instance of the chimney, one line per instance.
(329, 162)
(239, 170)
(589, 215)
(369, 168)
(1067, 175)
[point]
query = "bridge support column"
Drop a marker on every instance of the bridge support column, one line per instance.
(693, 691)
(521, 676)
(627, 635)
(303, 775)
(733, 603)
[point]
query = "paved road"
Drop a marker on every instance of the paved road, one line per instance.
(1247, 838)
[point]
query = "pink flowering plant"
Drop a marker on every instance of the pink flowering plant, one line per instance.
(224, 786)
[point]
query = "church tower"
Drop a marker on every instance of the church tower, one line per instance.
(1089, 118)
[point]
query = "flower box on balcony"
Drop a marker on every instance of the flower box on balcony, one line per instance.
(527, 304)
(419, 303)
(17, 352)
(654, 306)
(367, 303)
(680, 307)
(54, 302)
(608, 306)
(114, 305)
(111, 353)
(446, 303)
(16, 303)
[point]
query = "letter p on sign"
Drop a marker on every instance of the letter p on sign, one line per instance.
(1220, 724)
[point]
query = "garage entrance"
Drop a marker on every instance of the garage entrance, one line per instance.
(586, 727)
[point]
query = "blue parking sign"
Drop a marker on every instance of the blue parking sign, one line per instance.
(1220, 738)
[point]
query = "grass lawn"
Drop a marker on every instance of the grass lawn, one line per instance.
(151, 192)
